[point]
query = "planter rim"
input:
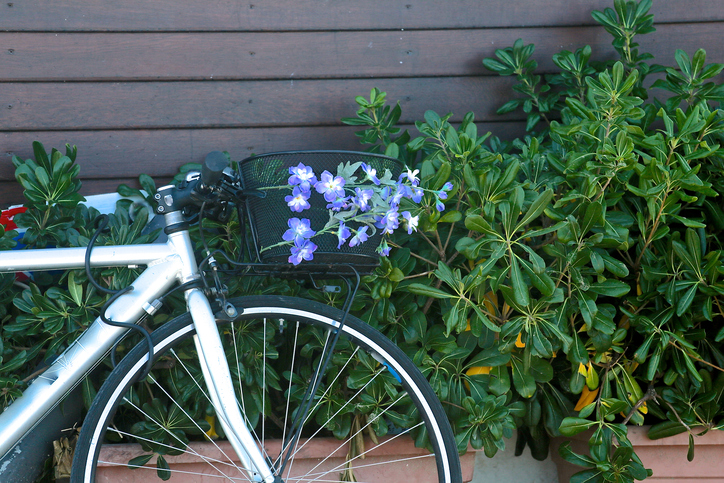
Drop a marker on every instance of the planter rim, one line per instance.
(638, 435)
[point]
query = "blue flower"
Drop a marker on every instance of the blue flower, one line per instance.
(403, 191)
(383, 249)
(411, 221)
(411, 176)
(299, 230)
(389, 222)
(386, 193)
(332, 187)
(303, 176)
(297, 201)
(417, 194)
(440, 205)
(342, 234)
(447, 186)
(302, 250)
(338, 205)
(363, 198)
(371, 173)
(359, 237)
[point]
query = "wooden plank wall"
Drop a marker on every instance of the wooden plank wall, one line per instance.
(145, 86)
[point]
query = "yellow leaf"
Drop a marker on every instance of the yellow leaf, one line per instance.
(211, 433)
(519, 341)
(587, 397)
(491, 302)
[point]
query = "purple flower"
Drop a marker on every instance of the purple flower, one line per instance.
(363, 198)
(297, 201)
(442, 195)
(371, 173)
(302, 250)
(342, 234)
(386, 193)
(303, 176)
(299, 230)
(440, 206)
(447, 186)
(359, 237)
(402, 192)
(338, 205)
(389, 222)
(411, 176)
(332, 187)
(417, 194)
(411, 221)
(383, 249)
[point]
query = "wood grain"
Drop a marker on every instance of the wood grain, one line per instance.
(303, 55)
(149, 105)
(108, 154)
(271, 15)
(144, 87)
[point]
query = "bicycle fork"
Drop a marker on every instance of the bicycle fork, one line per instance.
(217, 375)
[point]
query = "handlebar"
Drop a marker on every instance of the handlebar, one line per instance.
(217, 186)
(213, 168)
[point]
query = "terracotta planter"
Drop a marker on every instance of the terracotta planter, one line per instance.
(324, 452)
(666, 457)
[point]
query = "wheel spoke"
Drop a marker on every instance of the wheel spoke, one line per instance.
(278, 345)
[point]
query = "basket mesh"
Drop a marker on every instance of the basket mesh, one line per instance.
(269, 215)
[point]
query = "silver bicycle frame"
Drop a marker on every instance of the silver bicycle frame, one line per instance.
(167, 264)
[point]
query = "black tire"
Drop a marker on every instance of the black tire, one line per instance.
(394, 401)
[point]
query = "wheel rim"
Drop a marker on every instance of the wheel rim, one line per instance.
(361, 395)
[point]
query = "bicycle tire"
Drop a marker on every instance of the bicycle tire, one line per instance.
(392, 379)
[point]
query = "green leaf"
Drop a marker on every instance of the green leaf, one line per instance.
(588, 476)
(573, 426)
(569, 455)
(685, 302)
(162, 469)
(139, 461)
(489, 357)
(610, 288)
(479, 224)
(522, 379)
(666, 429)
(536, 208)
(396, 275)
(593, 217)
(451, 217)
(520, 289)
(541, 369)
(147, 184)
(75, 289)
(43, 178)
(499, 380)
(427, 291)
(17, 361)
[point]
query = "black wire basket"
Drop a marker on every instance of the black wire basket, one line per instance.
(269, 215)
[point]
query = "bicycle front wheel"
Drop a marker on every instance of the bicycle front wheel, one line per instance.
(370, 401)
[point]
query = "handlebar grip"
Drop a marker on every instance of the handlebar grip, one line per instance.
(212, 168)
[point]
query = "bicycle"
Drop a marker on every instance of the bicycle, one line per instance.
(395, 398)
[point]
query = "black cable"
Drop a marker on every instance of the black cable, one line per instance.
(104, 222)
(115, 294)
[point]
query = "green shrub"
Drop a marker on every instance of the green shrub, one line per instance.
(573, 281)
